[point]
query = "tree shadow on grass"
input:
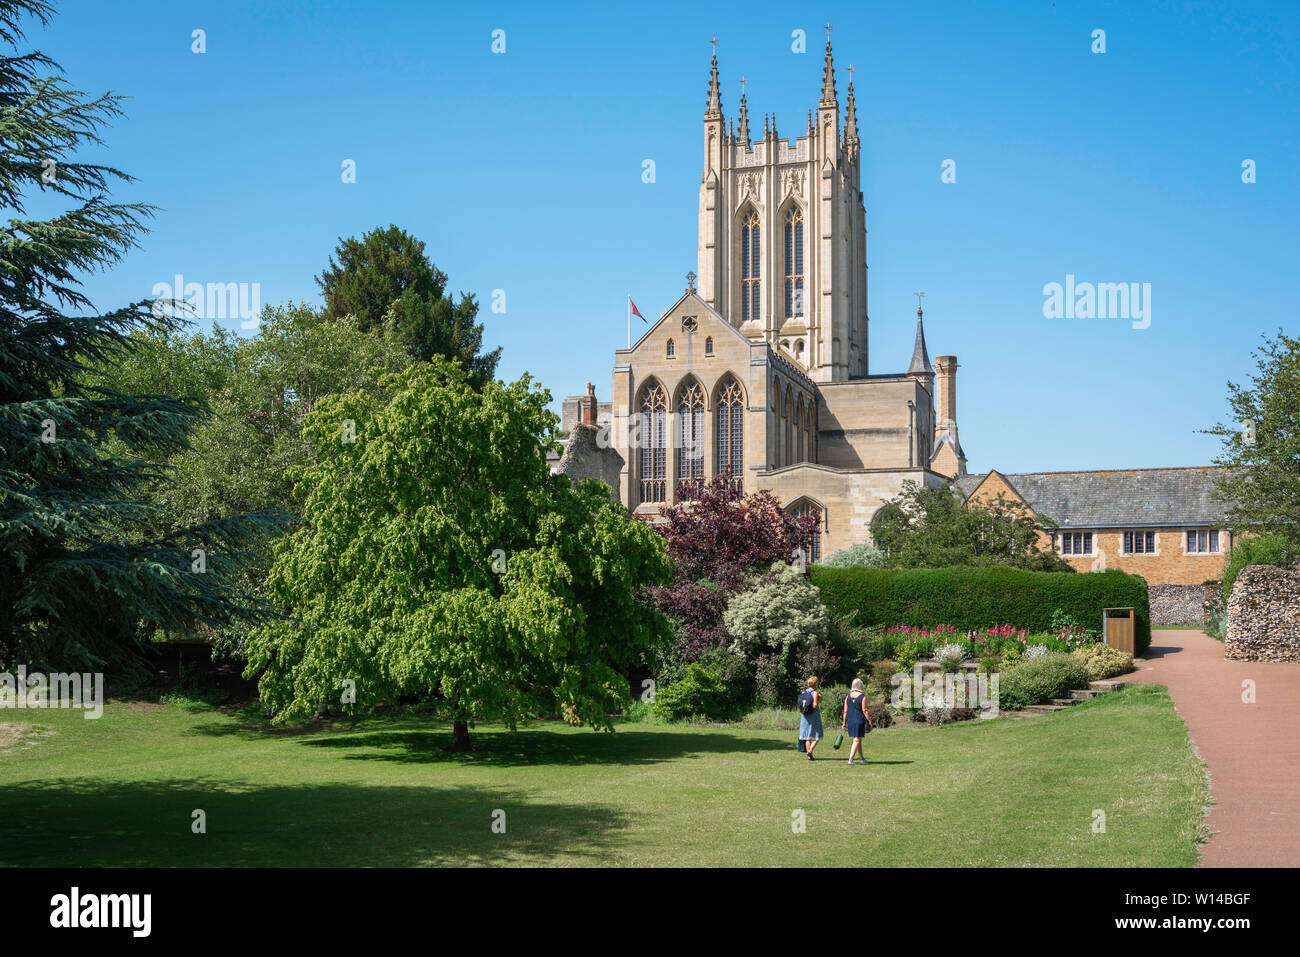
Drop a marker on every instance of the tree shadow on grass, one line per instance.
(532, 746)
(85, 822)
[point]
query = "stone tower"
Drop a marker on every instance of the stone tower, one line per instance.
(783, 242)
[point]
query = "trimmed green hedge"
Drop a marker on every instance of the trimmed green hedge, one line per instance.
(980, 597)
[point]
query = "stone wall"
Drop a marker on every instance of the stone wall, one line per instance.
(1264, 615)
(585, 458)
(1177, 605)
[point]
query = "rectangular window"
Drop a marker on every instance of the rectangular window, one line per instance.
(1076, 543)
(1139, 543)
(1203, 542)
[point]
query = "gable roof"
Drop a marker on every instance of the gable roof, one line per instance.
(1116, 498)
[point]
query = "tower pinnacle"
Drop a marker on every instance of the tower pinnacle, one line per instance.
(828, 75)
(851, 117)
(713, 110)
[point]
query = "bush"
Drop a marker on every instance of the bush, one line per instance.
(1034, 652)
(815, 659)
(1053, 675)
(699, 692)
(781, 613)
(1248, 550)
(771, 680)
(971, 598)
(737, 678)
(861, 555)
(1103, 661)
(832, 703)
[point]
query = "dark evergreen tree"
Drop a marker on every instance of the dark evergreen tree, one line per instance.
(86, 573)
(386, 277)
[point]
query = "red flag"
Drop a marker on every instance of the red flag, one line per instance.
(636, 312)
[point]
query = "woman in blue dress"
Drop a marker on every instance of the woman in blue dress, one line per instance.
(856, 723)
(810, 717)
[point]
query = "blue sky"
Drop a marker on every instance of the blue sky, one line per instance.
(522, 172)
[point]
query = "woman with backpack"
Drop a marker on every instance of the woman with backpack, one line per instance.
(856, 723)
(810, 717)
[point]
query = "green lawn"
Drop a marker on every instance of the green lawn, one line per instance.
(120, 791)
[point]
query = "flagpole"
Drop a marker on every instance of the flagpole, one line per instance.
(629, 322)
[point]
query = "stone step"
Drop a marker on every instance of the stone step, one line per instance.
(1044, 708)
(1086, 694)
(1064, 702)
(1104, 686)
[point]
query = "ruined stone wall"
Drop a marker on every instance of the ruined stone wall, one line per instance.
(1264, 615)
(585, 458)
(1177, 605)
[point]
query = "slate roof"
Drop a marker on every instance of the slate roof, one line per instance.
(1129, 498)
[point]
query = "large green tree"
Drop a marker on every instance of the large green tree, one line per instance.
(86, 569)
(926, 527)
(1261, 448)
(385, 277)
(439, 556)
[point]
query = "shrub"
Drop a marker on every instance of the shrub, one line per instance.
(970, 598)
(880, 716)
(771, 679)
(815, 659)
(832, 704)
(1252, 550)
(989, 664)
(1053, 675)
(1034, 652)
(736, 675)
(950, 656)
(1103, 661)
(699, 692)
(906, 655)
(861, 555)
(782, 612)
(1012, 654)
(641, 712)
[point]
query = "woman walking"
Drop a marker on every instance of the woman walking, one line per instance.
(810, 717)
(856, 723)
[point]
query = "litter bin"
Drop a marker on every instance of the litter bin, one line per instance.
(1117, 625)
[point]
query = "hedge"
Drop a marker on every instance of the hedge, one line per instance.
(970, 598)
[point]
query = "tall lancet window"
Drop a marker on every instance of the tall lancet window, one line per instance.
(749, 272)
(690, 441)
(653, 440)
(731, 433)
(794, 262)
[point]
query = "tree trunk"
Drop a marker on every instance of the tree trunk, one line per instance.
(460, 736)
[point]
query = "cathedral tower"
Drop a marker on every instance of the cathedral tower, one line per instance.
(783, 243)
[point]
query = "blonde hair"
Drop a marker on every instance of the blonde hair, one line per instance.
(812, 682)
(857, 684)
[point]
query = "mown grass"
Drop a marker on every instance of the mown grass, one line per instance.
(383, 791)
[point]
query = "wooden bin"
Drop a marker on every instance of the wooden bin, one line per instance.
(1118, 626)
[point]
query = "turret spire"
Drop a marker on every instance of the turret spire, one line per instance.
(851, 116)
(828, 75)
(743, 129)
(714, 107)
(920, 356)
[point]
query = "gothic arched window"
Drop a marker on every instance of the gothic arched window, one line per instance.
(690, 440)
(653, 443)
(731, 432)
(794, 262)
(671, 349)
(708, 346)
(749, 266)
(812, 545)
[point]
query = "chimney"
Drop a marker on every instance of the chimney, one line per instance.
(946, 398)
(589, 406)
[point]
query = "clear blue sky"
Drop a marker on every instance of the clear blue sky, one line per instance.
(522, 172)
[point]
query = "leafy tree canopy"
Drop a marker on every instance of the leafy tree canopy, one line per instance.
(87, 569)
(385, 277)
(439, 556)
(1261, 450)
(938, 528)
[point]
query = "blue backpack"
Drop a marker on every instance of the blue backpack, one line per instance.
(806, 703)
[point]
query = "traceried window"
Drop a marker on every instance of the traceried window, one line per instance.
(1076, 543)
(749, 266)
(672, 349)
(653, 443)
(690, 441)
(794, 262)
(708, 346)
(812, 545)
(1139, 543)
(731, 432)
(1203, 541)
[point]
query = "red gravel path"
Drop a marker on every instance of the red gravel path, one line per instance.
(1253, 750)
